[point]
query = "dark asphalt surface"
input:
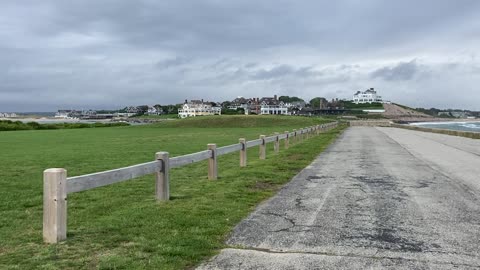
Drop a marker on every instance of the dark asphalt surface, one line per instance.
(378, 198)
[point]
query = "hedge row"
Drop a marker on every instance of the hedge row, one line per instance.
(7, 125)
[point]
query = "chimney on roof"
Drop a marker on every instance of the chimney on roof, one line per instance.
(275, 97)
(186, 101)
(371, 88)
(202, 100)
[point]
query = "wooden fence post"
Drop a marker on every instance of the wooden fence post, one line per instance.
(162, 183)
(286, 139)
(212, 162)
(317, 129)
(295, 138)
(54, 205)
(243, 153)
(262, 148)
(276, 146)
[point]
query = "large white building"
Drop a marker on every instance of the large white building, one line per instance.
(368, 96)
(198, 108)
(272, 106)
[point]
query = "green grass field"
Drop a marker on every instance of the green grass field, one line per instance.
(122, 226)
(365, 106)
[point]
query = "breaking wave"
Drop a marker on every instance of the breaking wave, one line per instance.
(464, 126)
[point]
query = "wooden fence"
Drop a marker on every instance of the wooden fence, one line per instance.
(56, 184)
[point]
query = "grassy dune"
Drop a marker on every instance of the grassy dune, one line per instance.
(121, 226)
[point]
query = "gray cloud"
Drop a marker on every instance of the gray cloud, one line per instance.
(101, 54)
(173, 62)
(401, 71)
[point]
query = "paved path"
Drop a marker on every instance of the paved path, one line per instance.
(379, 198)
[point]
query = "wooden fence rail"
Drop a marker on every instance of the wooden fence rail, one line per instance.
(56, 184)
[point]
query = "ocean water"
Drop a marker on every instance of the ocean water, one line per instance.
(463, 126)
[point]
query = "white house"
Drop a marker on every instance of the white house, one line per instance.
(64, 113)
(8, 115)
(368, 96)
(198, 108)
(273, 106)
(154, 111)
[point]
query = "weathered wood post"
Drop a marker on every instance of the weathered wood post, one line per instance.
(54, 205)
(262, 148)
(317, 130)
(162, 183)
(276, 146)
(301, 135)
(212, 162)
(243, 153)
(295, 138)
(286, 139)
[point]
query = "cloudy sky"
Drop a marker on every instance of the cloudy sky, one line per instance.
(111, 53)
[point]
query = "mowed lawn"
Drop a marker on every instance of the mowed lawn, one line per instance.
(121, 226)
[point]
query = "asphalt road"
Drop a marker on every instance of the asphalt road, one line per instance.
(378, 198)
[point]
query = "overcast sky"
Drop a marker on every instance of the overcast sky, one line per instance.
(111, 53)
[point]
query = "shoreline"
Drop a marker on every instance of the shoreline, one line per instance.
(455, 121)
(51, 120)
(464, 126)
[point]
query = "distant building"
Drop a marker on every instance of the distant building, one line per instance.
(459, 114)
(367, 96)
(88, 113)
(264, 105)
(271, 105)
(198, 108)
(8, 115)
(296, 104)
(65, 113)
(456, 114)
(154, 111)
(132, 110)
(240, 103)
